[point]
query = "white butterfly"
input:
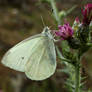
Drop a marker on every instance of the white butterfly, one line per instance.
(35, 56)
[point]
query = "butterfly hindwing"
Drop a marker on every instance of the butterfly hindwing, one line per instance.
(42, 62)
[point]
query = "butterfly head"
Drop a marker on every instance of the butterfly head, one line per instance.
(47, 32)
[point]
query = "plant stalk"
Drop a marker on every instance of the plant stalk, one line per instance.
(55, 11)
(77, 66)
(77, 78)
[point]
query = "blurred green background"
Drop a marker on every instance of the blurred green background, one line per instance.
(20, 19)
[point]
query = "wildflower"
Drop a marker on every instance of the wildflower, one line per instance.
(77, 20)
(65, 31)
(87, 14)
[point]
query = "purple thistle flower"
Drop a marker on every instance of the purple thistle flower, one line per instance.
(87, 14)
(65, 31)
(77, 20)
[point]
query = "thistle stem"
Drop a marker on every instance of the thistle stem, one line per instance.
(55, 11)
(77, 78)
(77, 66)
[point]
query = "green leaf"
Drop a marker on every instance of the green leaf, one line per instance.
(59, 53)
(60, 56)
(63, 14)
(71, 9)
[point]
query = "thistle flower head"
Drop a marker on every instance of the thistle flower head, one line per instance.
(87, 14)
(64, 31)
(77, 20)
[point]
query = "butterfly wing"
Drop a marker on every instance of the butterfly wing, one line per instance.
(17, 57)
(42, 62)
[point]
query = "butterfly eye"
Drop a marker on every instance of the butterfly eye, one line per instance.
(47, 29)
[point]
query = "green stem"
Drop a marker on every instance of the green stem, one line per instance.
(77, 67)
(55, 12)
(77, 78)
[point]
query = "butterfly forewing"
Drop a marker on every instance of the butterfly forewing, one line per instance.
(17, 57)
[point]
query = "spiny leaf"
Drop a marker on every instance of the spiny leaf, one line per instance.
(81, 85)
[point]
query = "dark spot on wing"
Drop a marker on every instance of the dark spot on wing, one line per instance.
(22, 57)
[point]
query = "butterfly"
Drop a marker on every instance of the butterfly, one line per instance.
(35, 56)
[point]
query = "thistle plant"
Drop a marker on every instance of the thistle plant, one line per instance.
(75, 41)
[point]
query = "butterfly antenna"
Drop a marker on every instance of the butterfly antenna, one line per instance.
(43, 22)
